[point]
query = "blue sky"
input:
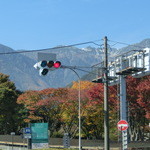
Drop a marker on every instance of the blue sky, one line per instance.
(37, 24)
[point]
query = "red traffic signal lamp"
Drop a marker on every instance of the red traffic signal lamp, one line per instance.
(57, 64)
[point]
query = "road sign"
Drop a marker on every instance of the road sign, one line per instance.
(122, 125)
(27, 133)
(46, 56)
(27, 136)
(27, 130)
(12, 133)
(39, 135)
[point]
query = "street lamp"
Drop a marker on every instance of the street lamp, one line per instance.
(79, 105)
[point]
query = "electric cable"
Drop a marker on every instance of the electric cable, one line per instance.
(125, 44)
(52, 48)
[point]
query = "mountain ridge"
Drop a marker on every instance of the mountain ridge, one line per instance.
(20, 66)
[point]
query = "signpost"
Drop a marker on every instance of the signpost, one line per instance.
(122, 125)
(66, 140)
(39, 135)
(12, 134)
(27, 133)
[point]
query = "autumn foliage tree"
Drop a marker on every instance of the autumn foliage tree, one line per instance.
(93, 115)
(44, 106)
(138, 96)
(83, 85)
(94, 119)
(59, 107)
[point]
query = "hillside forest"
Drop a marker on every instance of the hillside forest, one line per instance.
(59, 107)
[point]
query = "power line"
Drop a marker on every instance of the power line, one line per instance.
(116, 42)
(57, 47)
(77, 44)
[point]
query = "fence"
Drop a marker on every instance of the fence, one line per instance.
(58, 142)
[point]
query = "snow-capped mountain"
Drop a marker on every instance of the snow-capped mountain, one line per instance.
(20, 66)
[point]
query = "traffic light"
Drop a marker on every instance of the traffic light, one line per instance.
(45, 66)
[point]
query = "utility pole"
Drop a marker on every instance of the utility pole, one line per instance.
(106, 106)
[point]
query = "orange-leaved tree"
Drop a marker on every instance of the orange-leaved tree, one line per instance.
(83, 85)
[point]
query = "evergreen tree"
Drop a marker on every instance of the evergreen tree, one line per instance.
(8, 105)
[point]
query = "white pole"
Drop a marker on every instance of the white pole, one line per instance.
(79, 110)
(79, 97)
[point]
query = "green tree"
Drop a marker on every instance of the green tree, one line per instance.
(8, 105)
